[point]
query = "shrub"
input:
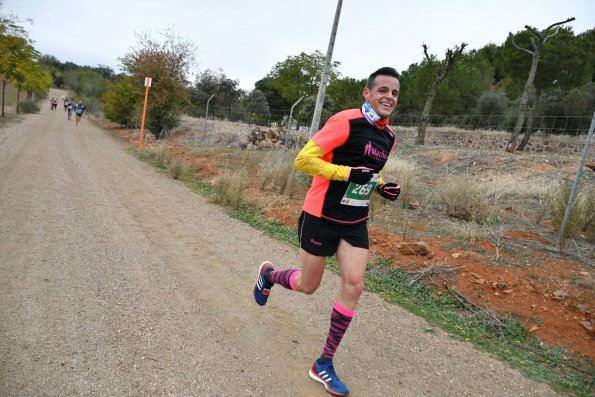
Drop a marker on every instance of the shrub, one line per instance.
(156, 155)
(176, 167)
(277, 173)
(231, 187)
(582, 214)
(122, 102)
(492, 103)
(464, 198)
(405, 174)
(28, 107)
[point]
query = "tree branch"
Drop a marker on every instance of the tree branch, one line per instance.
(553, 34)
(559, 23)
(430, 61)
(519, 48)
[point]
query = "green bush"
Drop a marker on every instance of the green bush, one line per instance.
(122, 102)
(492, 103)
(28, 107)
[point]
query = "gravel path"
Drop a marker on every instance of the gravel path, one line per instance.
(116, 280)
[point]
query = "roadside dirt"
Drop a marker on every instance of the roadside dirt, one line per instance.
(117, 280)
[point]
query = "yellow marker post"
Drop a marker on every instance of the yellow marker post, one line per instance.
(142, 123)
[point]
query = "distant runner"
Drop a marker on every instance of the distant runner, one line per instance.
(78, 112)
(70, 108)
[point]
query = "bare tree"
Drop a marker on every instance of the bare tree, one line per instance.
(440, 70)
(537, 41)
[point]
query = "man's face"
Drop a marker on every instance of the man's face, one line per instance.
(384, 95)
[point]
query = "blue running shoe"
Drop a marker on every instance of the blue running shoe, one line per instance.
(262, 289)
(325, 374)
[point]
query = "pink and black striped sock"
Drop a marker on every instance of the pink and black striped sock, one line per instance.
(284, 277)
(340, 320)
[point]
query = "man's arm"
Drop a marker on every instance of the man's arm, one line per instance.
(309, 160)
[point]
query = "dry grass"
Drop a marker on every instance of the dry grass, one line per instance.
(407, 174)
(582, 215)
(231, 188)
(176, 167)
(463, 198)
(277, 173)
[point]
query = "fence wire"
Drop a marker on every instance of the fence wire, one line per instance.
(557, 125)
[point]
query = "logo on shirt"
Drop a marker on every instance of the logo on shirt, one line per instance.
(371, 151)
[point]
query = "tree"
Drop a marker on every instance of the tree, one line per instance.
(122, 101)
(16, 52)
(440, 72)
(300, 75)
(167, 62)
(579, 101)
(346, 93)
(257, 107)
(85, 82)
(273, 95)
(538, 39)
(307, 110)
(210, 82)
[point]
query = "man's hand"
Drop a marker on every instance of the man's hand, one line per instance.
(389, 191)
(360, 175)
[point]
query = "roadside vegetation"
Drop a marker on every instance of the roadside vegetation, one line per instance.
(477, 208)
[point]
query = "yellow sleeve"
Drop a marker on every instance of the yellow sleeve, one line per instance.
(309, 160)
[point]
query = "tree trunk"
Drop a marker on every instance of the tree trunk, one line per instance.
(439, 76)
(511, 146)
(537, 46)
(18, 97)
(425, 115)
(530, 121)
(3, 91)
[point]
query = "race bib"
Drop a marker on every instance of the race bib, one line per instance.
(359, 195)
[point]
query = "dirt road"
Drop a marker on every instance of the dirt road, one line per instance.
(116, 280)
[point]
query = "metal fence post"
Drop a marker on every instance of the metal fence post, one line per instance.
(289, 121)
(579, 173)
(207, 115)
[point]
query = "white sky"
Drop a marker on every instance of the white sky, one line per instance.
(246, 38)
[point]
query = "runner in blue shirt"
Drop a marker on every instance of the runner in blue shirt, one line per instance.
(78, 111)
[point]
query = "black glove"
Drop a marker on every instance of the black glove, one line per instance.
(360, 175)
(389, 191)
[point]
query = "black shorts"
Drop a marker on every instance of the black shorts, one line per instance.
(321, 237)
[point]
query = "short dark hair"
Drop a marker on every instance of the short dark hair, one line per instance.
(384, 71)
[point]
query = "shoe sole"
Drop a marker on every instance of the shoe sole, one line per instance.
(263, 266)
(318, 379)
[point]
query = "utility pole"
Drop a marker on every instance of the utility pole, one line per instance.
(325, 72)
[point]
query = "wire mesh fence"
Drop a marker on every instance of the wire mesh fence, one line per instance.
(556, 125)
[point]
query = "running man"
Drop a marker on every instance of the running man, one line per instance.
(345, 158)
(70, 108)
(79, 109)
